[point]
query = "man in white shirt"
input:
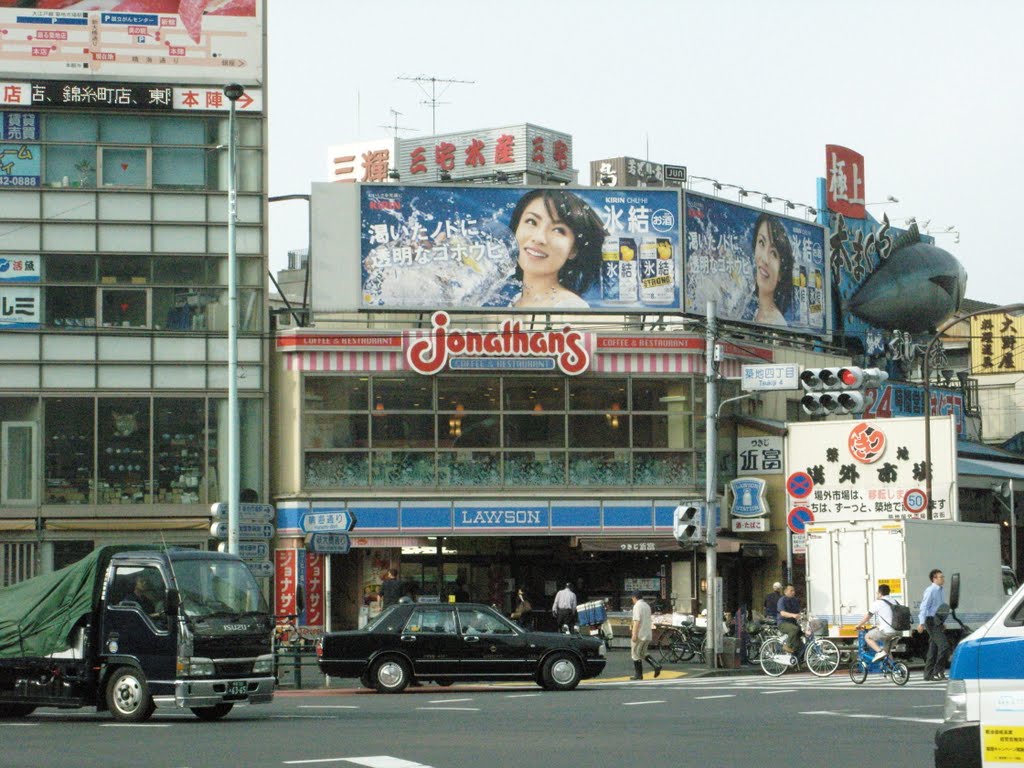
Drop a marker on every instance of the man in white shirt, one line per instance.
(640, 639)
(882, 632)
(564, 608)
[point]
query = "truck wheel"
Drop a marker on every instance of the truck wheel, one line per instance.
(216, 712)
(391, 675)
(561, 672)
(16, 710)
(128, 696)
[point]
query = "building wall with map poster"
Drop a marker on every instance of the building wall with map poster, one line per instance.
(113, 270)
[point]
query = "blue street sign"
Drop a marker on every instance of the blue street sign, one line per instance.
(328, 543)
(799, 518)
(247, 513)
(335, 521)
(219, 530)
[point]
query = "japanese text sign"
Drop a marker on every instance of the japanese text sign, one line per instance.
(759, 455)
(316, 590)
(844, 170)
(19, 306)
(997, 343)
(759, 267)
(873, 469)
(286, 581)
(361, 161)
(775, 377)
(450, 247)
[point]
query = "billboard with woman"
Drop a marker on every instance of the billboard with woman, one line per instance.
(758, 266)
(519, 248)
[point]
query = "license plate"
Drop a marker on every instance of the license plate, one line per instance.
(237, 688)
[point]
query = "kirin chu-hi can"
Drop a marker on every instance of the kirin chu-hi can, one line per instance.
(629, 271)
(657, 270)
(610, 269)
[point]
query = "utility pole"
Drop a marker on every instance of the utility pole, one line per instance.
(711, 480)
(432, 95)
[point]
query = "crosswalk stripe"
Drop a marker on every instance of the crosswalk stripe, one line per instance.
(863, 716)
(371, 761)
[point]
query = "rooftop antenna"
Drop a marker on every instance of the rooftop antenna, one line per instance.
(432, 101)
(394, 122)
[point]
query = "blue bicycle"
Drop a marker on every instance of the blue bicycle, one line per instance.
(863, 664)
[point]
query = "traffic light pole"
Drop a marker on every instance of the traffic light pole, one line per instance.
(711, 481)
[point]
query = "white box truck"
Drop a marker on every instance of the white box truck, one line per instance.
(847, 561)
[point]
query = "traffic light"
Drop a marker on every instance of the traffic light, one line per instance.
(688, 526)
(837, 390)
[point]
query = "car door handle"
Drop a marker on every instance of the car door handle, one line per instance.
(408, 638)
(471, 639)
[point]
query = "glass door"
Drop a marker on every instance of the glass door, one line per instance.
(17, 477)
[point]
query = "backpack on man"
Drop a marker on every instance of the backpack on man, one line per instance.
(900, 621)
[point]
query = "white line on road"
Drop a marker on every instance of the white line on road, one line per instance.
(373, 761)
(448, 701)
(857, 715)
(452, 709)
(521, 695)
(327, 706)
(720, 696)
(136, 725)
(639, 703)
(784, 690)
(928, 706)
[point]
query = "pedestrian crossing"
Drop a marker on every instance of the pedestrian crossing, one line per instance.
(790, 682)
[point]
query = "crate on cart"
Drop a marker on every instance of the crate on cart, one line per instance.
(592, 614)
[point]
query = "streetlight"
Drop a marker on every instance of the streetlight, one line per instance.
(234, 92)
(926, 372)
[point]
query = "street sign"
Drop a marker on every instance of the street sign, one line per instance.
(257, 531)
(247, 513)
(799, 485)
(915, 500)
(328, 543)
(799, 518)
(675, 175)
(335, 521)
(254, 550)
(261, 569)
(770, 378)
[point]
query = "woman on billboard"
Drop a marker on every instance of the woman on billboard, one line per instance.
(559, 238)
(773, 272)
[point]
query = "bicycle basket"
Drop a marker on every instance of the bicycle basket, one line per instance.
(817, 627)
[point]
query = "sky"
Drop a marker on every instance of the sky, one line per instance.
(747, 92)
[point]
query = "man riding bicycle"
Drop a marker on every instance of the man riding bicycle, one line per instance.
(879, 638)
(789, 618)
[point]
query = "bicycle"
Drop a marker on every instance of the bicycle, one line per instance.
(819, 653)
(676, 644)
(864, 664)
(758, 633)
(287, 634)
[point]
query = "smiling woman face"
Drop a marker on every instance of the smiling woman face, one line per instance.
(766, 261)
(546, 243)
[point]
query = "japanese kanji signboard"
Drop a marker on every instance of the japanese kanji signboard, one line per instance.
(997, 344)
(875, 469)
(316, 590)
(759, 455)
(362, 161)
(844, 171)
(287, 577)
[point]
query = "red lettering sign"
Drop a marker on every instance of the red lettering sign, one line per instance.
(844, 173)
(286, 574)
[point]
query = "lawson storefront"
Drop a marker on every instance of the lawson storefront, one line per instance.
(479, 461)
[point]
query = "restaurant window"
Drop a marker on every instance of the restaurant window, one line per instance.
(536, 393)
(324, 393)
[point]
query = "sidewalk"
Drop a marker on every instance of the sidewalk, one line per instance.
(620, 668)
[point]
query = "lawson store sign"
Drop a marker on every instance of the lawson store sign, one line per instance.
(499, 516)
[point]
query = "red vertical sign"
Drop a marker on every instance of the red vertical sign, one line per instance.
(844, 174)
(316, 590)
(286, 574)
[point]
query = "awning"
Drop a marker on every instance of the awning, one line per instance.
(129, 524)
(642, 544)
(1004, 470)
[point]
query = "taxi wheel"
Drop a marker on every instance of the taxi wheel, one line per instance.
(561, 672)
(365, 680)
(391, 675)
(444, 682)
(16, 710)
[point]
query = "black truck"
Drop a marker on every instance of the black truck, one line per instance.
(131, 629)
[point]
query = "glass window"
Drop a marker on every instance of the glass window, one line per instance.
(124, 167)
(19, 456)
(179, 167)
(478, 622)
(337, 470)
(468, 469)
(69, 447)
(543, 468)
(133, 270)
(674, 430)
(334, 431)
(124, 308)
(125, 130)
(599, 468)
(402, 430)
(597, 395)
(662, 395)
(251, 446)
(472, 431)
(431, 620)
(59, 268)
(73, 166)
(403, 394)
(608, 430)
(180, 130)
(178, 449)
(402, 468)
(180, 270)
(538, 393)
(663, 469)
(141, 589)
(123, 450)
(71, 307)
(472, 393)
(535, 430)
(183, 309)
(67, 127)
(324, 393)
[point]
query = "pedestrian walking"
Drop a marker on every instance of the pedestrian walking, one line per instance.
(640, 639)
(930, 621)
(564, 608)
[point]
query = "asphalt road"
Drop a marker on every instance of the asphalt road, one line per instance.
(679, 720)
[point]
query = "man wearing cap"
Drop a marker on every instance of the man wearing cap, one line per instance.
(643, 630)
(771, 602)
(564, 608)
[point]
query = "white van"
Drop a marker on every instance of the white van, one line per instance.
(984, 716)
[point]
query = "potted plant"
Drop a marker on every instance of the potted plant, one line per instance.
(85, 170)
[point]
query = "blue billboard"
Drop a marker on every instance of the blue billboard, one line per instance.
(519, 248)
(758, 266)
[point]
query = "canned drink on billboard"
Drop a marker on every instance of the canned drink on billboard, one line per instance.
(816, 291)
(628, 270)
(657, 271)
(610, 269)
